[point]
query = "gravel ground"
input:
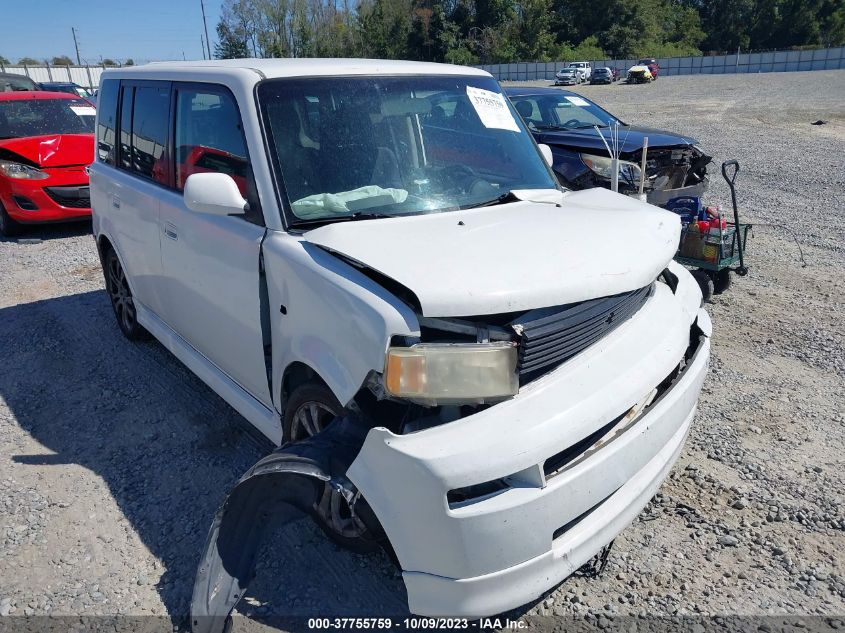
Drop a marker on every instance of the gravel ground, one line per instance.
(113, 457)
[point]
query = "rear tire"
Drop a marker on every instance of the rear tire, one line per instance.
(122, 302)
(8, 227)
(705, 282)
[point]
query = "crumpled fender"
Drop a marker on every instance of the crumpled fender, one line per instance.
(281, 487)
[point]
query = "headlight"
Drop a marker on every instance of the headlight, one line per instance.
(444, 373)
(601, 166)
(20, 171)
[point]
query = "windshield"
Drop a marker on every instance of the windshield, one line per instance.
(561, 112)
(37, 117)
(360, 147)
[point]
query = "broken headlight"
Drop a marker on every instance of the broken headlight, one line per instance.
(452, 373)
(602, 165)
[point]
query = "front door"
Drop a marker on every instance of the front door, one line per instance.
(211, 263)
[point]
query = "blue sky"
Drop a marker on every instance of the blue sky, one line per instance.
(117, 29)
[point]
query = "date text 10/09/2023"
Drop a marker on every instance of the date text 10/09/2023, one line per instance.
(415, 623)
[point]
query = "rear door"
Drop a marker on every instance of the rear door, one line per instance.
(137, 183)
(211, 263)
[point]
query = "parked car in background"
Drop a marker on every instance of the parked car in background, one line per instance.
(491, 410)
(12, 82)
(601, 76)
(567, 77)
(583, 68)
(46, 142)
(566, 122)
(68, 87)
(639, 74)
(652, 65)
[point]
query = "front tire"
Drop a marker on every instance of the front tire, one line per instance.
(122, 301)
(705, 282)
(310, 409)
(8, 227)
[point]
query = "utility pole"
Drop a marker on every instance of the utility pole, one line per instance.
(78, 61)
(202, 45)
(205, 25)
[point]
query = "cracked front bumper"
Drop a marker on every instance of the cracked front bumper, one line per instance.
(502, 549)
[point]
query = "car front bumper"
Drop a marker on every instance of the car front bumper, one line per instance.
(500, 550)
(31, 202)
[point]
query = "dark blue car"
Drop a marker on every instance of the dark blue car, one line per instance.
(567, 122)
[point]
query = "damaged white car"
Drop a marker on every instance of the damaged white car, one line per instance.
(373, 263)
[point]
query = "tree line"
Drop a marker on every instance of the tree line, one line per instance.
(62, 60)
(492, 31)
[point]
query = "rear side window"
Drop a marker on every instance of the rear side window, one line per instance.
(150, 117)
(107, 122)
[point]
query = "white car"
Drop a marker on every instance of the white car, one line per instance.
(372, 262)
(582, 68)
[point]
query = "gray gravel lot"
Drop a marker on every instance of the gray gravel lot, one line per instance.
(113, 457)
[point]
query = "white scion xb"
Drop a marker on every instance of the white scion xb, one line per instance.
(320, 240)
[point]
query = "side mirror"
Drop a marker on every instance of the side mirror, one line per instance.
(215, 194)
(546, 151)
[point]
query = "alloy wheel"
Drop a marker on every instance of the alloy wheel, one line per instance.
(333, 508)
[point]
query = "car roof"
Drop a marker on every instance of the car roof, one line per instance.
(278, 68)
(538, 92)
(27, 95)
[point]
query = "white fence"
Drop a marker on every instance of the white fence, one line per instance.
(85, 76)
(775, 61)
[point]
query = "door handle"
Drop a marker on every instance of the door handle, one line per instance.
(170, 231)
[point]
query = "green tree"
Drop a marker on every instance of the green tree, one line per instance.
(129, 62)
(109, 62)
(4, 61)
(230, 44)
(62, 60)
(532, 30)
(28, 61)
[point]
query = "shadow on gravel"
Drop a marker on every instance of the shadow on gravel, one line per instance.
(169, 450)
(45, 232)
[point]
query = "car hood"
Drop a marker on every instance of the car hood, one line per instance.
(516, 256)
(54, 150)
(630, 138)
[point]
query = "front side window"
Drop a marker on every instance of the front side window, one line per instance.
(209, 137)
(40, 117)
(358, 147)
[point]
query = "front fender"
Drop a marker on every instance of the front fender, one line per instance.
(328, 315)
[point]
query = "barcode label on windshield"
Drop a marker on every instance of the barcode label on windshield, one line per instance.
(492, 109)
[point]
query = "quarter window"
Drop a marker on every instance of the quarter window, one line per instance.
(107, 121)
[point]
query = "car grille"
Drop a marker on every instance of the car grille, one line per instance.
(78, 197)
(550, 336)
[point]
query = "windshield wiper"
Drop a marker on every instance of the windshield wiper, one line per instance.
(505, 198)
(549, 127)
(359, 215)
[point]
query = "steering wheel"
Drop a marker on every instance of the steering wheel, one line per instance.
(572, 122)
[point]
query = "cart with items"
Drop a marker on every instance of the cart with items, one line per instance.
(712, 246)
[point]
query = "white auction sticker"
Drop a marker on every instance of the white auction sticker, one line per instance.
(84, 110)
(577, 101)
(492, 109)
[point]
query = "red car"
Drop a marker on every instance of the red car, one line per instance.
(46, 142)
